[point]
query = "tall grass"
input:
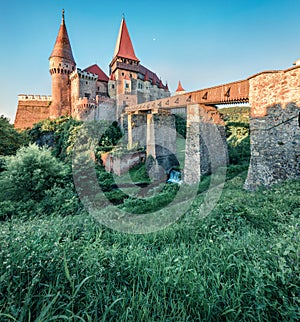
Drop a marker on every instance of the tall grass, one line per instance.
(241, 263)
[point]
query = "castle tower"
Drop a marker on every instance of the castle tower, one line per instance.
(62, 64)
(124, 63)
(124, 68)
(180, 90)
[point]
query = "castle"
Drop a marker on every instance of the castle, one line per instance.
(89, 93)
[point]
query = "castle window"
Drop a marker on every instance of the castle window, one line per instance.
(86, 82)
(112, 86)
(122, 74)
(58, 70)
(126, 85)
(98, 88)
(87, 95)
(130, 75)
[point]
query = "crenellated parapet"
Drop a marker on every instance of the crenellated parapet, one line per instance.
(78, 73)
(33, 97)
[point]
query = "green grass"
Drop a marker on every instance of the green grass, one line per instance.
(240, 263)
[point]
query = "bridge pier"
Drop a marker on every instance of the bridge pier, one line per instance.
(135, 130)
(274, 127)
(206, 146)
(150, 147)
(192, 173)
(161, 144)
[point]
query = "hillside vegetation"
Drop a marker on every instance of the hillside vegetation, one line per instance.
(58, 263)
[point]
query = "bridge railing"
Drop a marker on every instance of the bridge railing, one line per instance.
(235, 92)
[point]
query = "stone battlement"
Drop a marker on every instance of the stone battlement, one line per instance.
(31, 97)
(86, 75)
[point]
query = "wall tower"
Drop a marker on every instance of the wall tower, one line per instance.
(62, 64)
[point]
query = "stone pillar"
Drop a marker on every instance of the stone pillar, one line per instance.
(192, 172)
(165, 137)
(134, 128)
(129, 132)
(206, 146)
(275, 147)
(274, 99)
(161, 145)
(150, 149)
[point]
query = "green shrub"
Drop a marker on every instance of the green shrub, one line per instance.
(34, 182)
(10, 139)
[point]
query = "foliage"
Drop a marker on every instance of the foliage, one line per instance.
(63, 133)
(10, 139)
(239, 263)
(32, 180)
(237, 133)
(59, 134)
(111, 136)
(180, 122)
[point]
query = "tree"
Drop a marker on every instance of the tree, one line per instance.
(30, 174)
(10, 139)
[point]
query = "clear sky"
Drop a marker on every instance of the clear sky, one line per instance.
(202, 43)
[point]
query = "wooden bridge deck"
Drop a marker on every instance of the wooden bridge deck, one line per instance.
(236, 92)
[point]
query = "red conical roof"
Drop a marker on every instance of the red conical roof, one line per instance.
(62, 47)
(112, 77)
(95, 69)
(180, 88)
(124, 46)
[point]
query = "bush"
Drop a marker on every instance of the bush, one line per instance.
(10, 139)
(35, 182)
(30, 173)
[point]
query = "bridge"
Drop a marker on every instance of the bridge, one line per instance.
(274, 98)
(231, 93)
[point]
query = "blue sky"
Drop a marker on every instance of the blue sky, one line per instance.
(202, 43)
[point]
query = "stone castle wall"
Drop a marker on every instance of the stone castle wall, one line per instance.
(31, 109)
(275, 146)
(123, 163)
(273, 87)
(274, 127)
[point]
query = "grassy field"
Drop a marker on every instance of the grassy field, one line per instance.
(240, 263)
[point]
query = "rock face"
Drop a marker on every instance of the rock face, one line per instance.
(275, 146)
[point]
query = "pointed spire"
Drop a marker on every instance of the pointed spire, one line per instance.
(124, 46)
(62, 47)
(166, 87)
(180, 88)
